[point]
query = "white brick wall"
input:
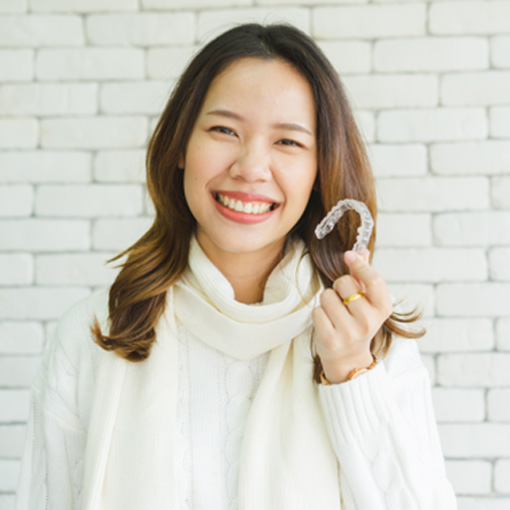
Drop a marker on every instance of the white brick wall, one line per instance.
(81, 85)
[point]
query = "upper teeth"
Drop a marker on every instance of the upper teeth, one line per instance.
(245, 207)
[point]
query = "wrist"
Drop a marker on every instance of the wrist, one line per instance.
(347, 369)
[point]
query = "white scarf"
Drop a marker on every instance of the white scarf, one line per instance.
(287, 462)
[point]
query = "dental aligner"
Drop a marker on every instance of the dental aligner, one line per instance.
(330, 220)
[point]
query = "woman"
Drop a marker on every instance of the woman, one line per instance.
(238, 361)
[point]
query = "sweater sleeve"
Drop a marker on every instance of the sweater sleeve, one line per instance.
(52, 465)
(383, 430)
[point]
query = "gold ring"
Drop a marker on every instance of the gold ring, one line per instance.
(353, 297)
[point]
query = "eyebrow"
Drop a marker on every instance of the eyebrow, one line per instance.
(291, 126)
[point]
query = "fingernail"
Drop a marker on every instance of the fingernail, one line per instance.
(349, 257)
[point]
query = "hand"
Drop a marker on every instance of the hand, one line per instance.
(344, 332)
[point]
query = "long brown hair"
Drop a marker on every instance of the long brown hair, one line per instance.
(157, 260)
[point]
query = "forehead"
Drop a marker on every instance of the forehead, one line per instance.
(255, 86)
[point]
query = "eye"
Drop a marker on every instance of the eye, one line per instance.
(222, 129)
(289, 143)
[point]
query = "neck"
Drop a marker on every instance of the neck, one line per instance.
(246, 272)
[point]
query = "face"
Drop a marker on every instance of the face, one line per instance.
(251, 160)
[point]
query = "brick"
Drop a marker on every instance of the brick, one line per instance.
(44, 235)
(470, 158)
(503, 334)
(213, 22)
(498, 405)
(91, 200)
(94, 132)
(75, 269)
(16, 269)
(142, 29)
(470, 476)
(472, 229)
(474, 369)
(500, 122)
(366, 125)
(135, 97)
(48, 99)
(17, 371)
(14, 405)
(457, 335)
(398, 160)
(431, 54)
(432, 125)
(168, 63)
(403, 230)
(16, 200)
(455, 405)
(348, 56)
(500, 192)
(500, 51)
(431, 264)
(118, 234)
(471, 18)
(434, 194)
(50, 329)
(410, 296)
(473, 300)
(13, 6)
(392, 91)
(367, 22)
(502, 475)
(41, 31)
(172, 4)
(12, 440)
(464, 440)
(488, 503)
(310, 3)
(83, 5)
(120, 166)
(35, 303)
(21, 338)
(499, 259)
(90, 64)
(9, 474)
(18, 133)
(473, 89)
(16, 65)
(7, 501)
(45, 166)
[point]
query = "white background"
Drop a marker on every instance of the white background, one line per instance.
(81, 85)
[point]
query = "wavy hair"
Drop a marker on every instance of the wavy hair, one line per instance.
(157, 260)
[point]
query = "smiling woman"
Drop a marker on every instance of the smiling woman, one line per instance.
(237, 362)
(242, 163)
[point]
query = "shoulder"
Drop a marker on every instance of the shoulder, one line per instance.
(404, 358)
(71, 347)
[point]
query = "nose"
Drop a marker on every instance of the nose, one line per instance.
(251, 165)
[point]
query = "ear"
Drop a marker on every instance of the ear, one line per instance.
(181, 162)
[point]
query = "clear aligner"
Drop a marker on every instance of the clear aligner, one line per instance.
(330, 220)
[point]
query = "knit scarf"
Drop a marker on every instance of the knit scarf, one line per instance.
(287, 462)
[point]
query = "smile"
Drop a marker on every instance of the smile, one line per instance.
(244, 207)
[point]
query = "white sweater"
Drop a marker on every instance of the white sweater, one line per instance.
(212, 411)
(397, 460)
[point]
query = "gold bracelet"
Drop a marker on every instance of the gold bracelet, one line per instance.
(352, 374)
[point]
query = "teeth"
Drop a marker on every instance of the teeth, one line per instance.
(246, 207)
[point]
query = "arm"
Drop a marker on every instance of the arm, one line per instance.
(381, 423)
(383, 431)
(52, 464)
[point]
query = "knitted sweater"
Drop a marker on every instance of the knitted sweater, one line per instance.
(381, 425)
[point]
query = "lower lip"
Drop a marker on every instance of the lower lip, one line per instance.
(241, 217)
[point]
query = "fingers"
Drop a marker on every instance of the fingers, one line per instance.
(372, 281)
